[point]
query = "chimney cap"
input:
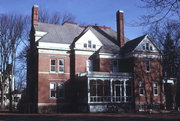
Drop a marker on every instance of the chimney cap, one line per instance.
(35, 6)
(120, 11)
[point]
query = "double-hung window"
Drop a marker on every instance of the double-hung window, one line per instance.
(115, 66)
(148, 65)
(60, 90)
(147, 46)
(141, 88)
(155, 88)
(61, 65)
(52, 90)
(53, 65)
(89, 44)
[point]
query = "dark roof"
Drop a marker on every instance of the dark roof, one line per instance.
(131, 45)
(68, 33)
(59, 33)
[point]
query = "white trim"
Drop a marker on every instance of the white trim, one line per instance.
(53, 65)
(51, 73)
(44, 51)
(145, 40)
(78, 52)
(155, 88)
(39, 34)
(89, 95)
(46, 104)
(144, 55)
(48, 45)
(50, 90)
(88, 35)
(63, 66)
(109, 56)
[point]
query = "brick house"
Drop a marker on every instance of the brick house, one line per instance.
(91, 69)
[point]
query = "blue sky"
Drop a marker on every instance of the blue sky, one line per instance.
(101, 12)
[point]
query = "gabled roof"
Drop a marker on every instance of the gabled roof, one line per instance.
(64, 34)
(69, 33)
(131, 45)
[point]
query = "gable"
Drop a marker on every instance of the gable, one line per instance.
(86, 39)
(39, 35)
(147, 45)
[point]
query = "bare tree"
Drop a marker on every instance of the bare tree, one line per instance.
(168, 38)
(160, 10)
(46, 16)
(11, 30)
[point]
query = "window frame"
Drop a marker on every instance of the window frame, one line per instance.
(53, 66)
(89, 44)
(52, 90)
(147, 46)
(115, 68)
(61, 66)
(94, 46)
(148, 65)
(141, 88)
(155, 87)
(61, 83)
(85, 45)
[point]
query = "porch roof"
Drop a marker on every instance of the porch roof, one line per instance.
(94, 74)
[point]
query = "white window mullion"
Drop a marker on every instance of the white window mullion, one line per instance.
(111, 87)
(124, 90)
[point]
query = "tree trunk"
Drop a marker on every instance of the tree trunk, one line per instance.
(2, 98)
(10, 94)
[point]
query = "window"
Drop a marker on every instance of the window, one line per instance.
(141, 88)
(100, 91)
(60, 90)
(52, 90)
(155, 87)
(148, 65)
(94, 46)
(147, 46)
(144, 47)
(151, 48)
(85, 45)
(53, 65)
(89, 65)
(115, 66)
(61, 65)
(89, 44)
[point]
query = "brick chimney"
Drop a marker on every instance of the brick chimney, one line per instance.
(120, 27)
(35, 15)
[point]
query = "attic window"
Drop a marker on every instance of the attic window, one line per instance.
(151, 48)
(144, 47)
(94, 46)
(147, 46)
(85, 45)
(89, 44)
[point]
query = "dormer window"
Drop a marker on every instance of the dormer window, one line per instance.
(89, 44)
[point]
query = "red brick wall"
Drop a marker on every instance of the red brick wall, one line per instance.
(105, 65)
(80, 63)
(45, 77)
(148, 78)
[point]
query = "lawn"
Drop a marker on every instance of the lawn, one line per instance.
(89, 117)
